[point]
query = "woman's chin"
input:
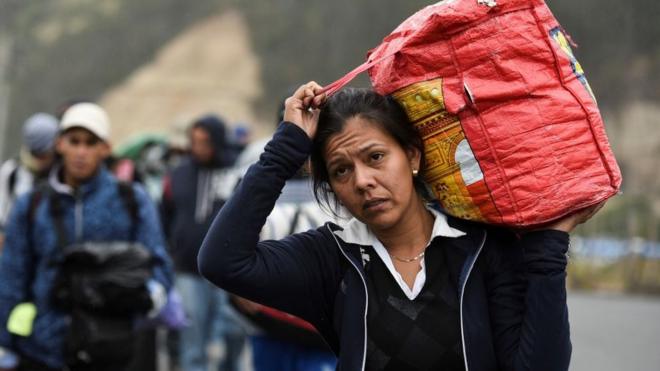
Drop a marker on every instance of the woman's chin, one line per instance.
(380, 222)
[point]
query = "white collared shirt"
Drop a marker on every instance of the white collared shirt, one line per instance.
(358, 233)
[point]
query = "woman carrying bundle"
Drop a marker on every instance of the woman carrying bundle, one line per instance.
(402, 286)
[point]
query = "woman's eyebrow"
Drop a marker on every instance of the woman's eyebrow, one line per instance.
(367, 146)
(334, 159)
(362, 149)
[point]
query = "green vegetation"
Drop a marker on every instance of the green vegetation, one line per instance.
(625, 216)
(631, 274)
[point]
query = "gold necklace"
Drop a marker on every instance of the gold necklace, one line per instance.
(409, 260)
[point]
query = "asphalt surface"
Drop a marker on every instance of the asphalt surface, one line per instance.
(614, 332)
(609, 333)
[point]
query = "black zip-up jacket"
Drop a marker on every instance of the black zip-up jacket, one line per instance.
(191, 198)
(512, 289)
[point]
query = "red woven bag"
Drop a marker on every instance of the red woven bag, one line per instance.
(511, 128)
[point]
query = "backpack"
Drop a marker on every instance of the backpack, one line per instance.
(125, 190)
(101, 285)
(11, 181)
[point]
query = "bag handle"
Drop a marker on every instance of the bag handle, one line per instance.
(334, 87)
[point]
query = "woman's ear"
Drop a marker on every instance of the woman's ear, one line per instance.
(415, 158)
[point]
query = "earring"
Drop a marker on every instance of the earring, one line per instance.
(415, 172)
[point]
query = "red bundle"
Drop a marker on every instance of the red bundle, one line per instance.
(511, 128)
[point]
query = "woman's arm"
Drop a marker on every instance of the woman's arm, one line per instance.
(527, 298)
(527, 301)
(288, 274)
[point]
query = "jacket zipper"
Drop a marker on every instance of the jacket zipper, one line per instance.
(366, 298)
(483, 241)
(78, 218)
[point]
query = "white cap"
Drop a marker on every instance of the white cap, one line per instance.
(88, 116)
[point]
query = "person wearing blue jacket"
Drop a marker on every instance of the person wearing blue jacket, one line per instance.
(401, 286)
(92, 210)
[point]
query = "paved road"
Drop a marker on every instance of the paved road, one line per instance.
(614, 332)
(609, 333)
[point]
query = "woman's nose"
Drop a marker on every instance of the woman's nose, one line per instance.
(364, 178)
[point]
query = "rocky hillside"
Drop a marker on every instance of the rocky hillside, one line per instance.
(209, 68)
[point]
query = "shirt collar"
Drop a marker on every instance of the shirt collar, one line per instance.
(356, 232)
(56, 183)
(60, 187)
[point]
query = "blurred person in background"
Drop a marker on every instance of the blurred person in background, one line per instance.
(178, 149)
(82, 204)
(240, 138)
(142, 158)
(178, 145)
(151, 167)
(193, 192)
(19, 175)
(146, 155)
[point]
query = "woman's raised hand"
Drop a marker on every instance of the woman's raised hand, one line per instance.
(568, 223)
(302, 108)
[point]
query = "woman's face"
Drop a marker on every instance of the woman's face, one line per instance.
(371, 174)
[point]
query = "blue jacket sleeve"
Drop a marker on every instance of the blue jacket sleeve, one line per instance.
(150, 234)
(527, 300)
(288, 274)
(15, 266)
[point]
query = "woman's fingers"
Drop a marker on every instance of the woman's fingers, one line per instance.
(308, 95)
(589, 212)
(301, 108)
(568, 223)
(309, 89)
(307, 101)
(301, 92)
(314, 95)
(319, 100)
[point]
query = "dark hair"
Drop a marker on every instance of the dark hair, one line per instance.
(216, 129)
(381, 110)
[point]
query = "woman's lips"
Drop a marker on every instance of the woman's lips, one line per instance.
(374, 204)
